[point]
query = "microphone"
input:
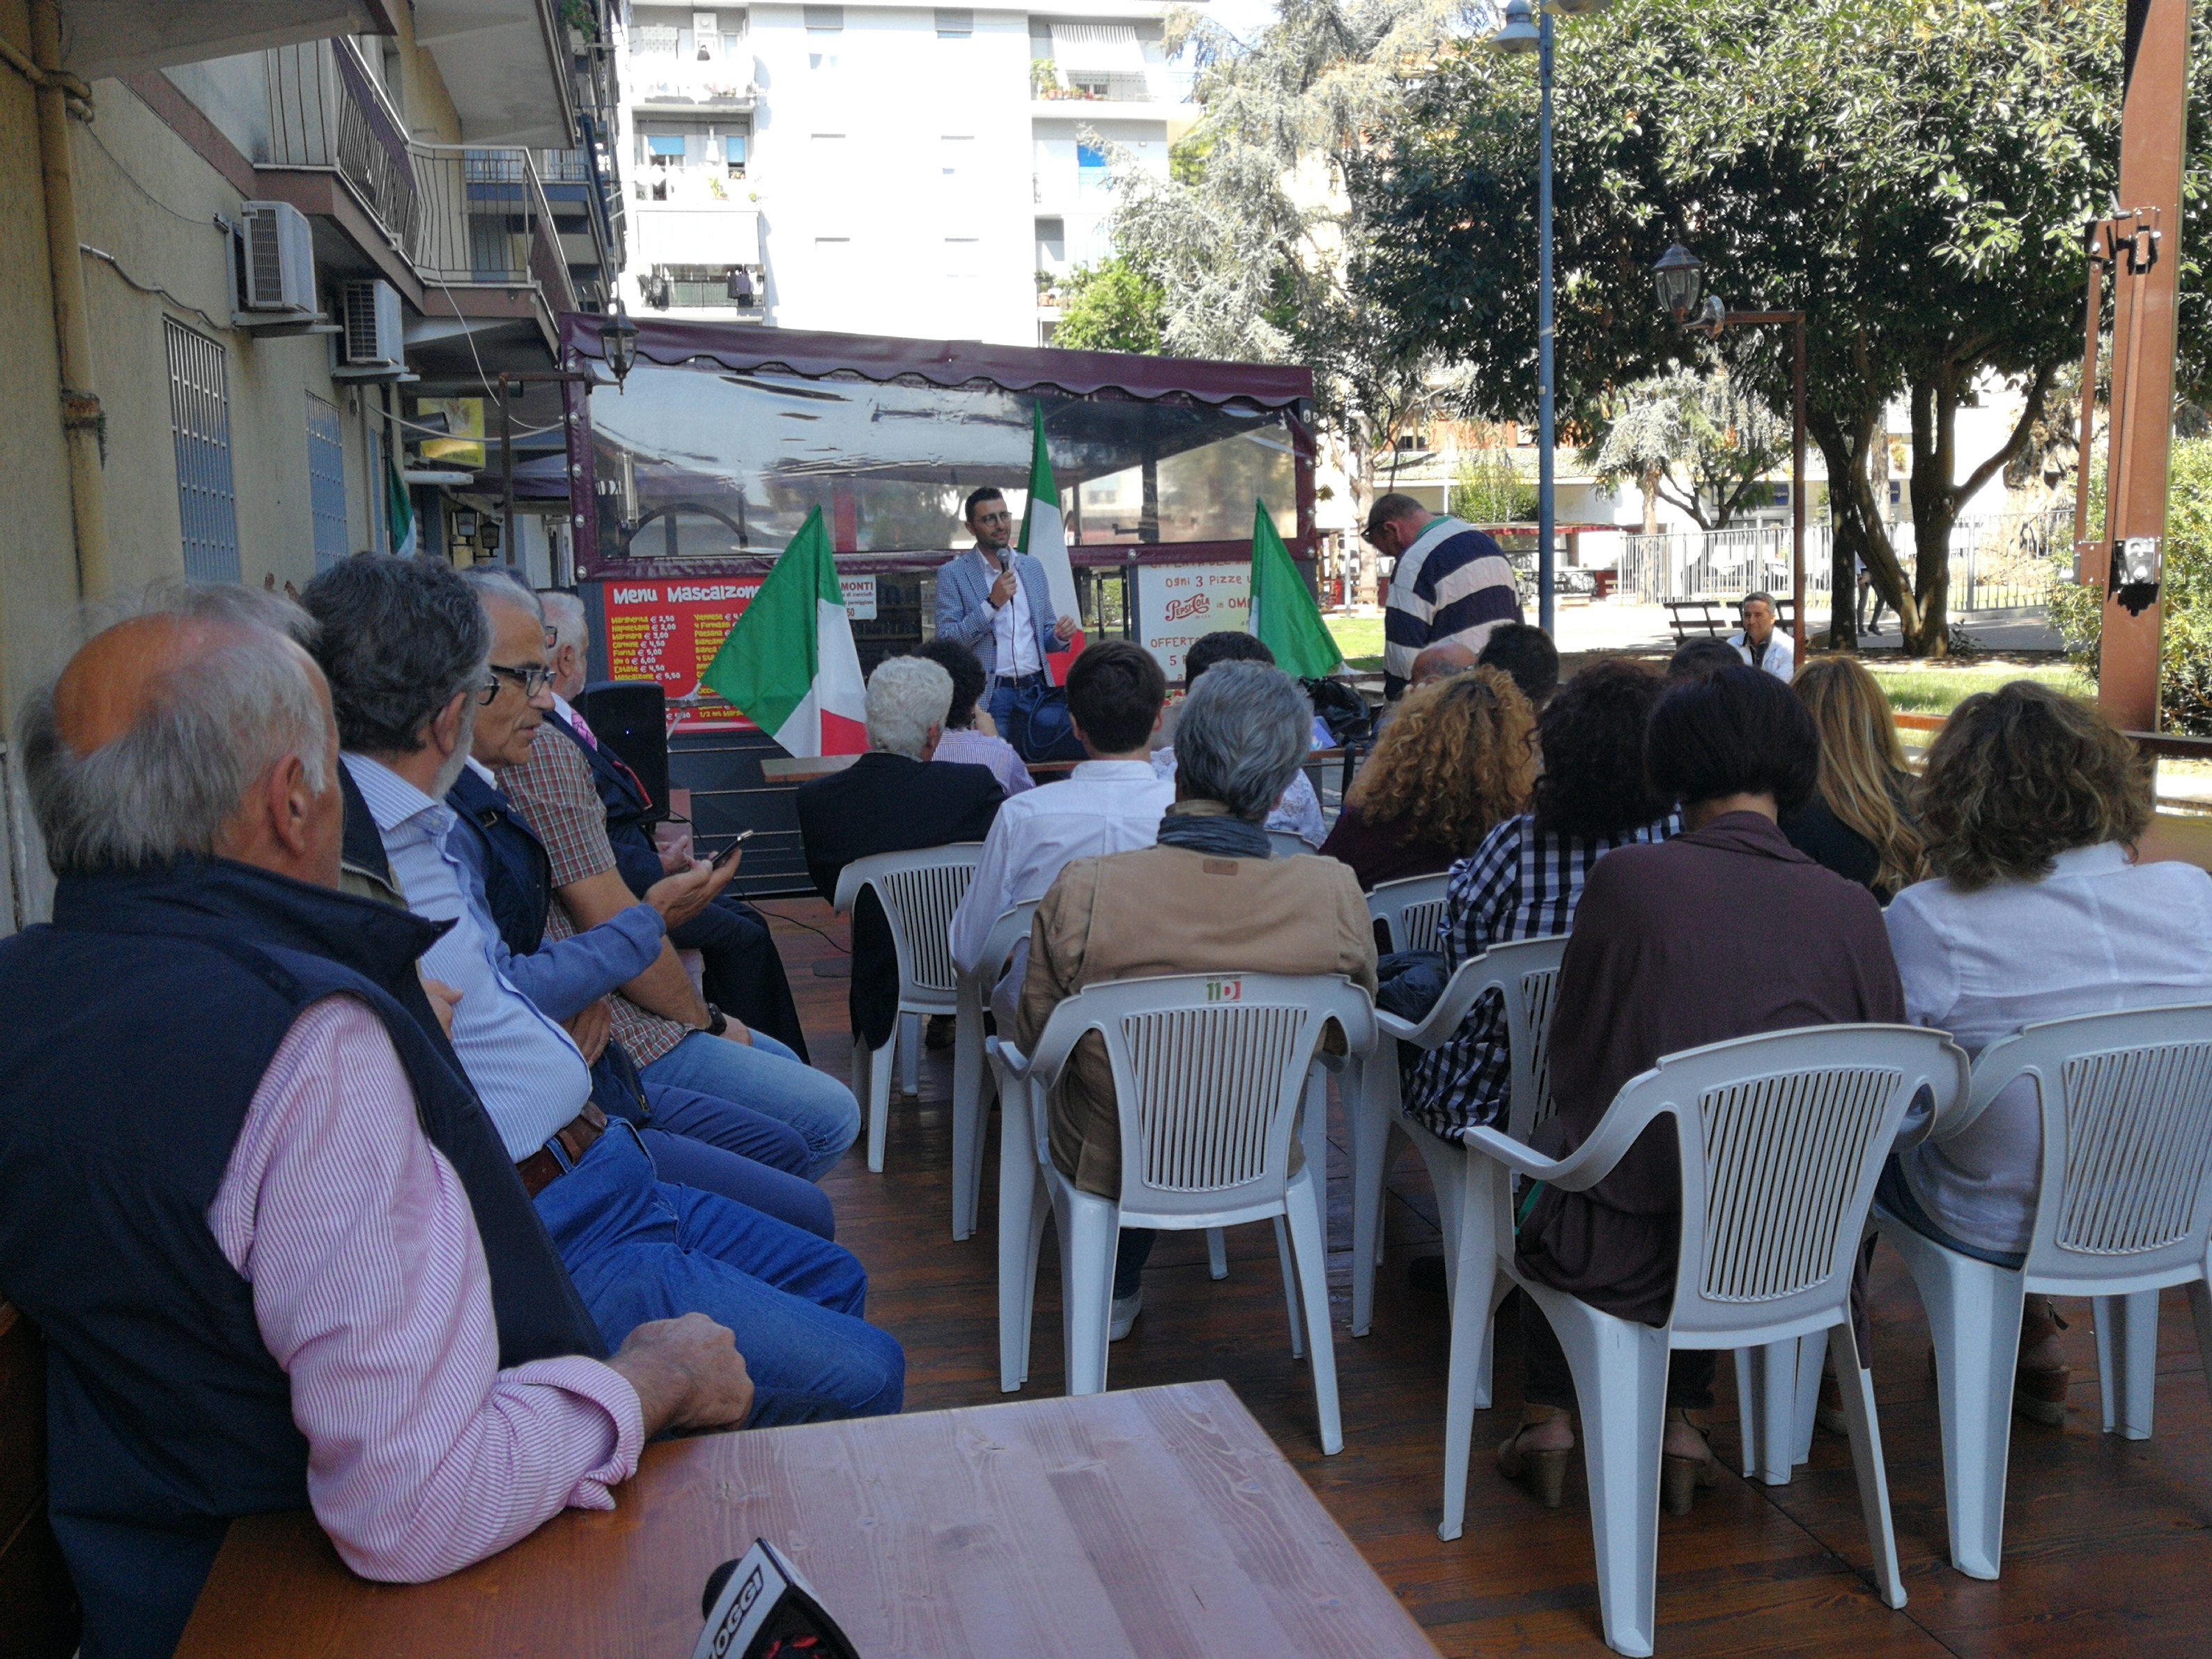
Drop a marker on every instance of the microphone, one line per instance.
(759, 1605)
(716, 1580)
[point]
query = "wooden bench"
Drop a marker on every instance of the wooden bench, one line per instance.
(38, 1603)
(1714, 619)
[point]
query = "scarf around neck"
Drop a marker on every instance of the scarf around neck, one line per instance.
(1207, 826)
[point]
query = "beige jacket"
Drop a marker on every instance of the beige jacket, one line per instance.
(1168, 910)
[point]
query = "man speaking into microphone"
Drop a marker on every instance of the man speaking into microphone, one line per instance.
(998, 603)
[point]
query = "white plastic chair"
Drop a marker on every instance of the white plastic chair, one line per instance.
(2124, 1210)
(918, 891)
(1209, 1072)
(1525, 972)
(1413, 911)
(973, 997)
(1781, 1140)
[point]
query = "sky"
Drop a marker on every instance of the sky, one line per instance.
(1242, 18)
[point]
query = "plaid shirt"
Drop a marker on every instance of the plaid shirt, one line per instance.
(1517, 884)
(553, 793)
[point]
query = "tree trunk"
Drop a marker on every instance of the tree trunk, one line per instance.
(1650, 482)
(1860, 537)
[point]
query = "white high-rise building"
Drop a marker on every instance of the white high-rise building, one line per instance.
(900, 169)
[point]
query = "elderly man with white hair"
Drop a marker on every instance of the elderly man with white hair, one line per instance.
(889, 800)
(278, 1253)
(1207, 898)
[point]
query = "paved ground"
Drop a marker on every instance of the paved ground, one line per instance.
(1614, 625)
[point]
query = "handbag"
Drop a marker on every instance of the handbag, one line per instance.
(1042, 729)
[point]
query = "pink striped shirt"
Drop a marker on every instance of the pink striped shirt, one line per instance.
(370, 1288)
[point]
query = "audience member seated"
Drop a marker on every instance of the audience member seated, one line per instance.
(1205, 899)
(695, 1139)
(674, 1038)
(742, 969)
(889, 800)
(1110, 803)
(1723, 931)
(1696, 658)
(2032, 804)
(1525, 652)
(1441, 662)
(404, 646)
(278, 1254)
(1298, 812)
(1527, 876)
(963, 742)
(1457, 755)
(1858, 822)
(1757, 641)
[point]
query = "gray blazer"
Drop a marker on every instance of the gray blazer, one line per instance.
(964, 605)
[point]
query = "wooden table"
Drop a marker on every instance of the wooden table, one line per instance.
(1157, 1524)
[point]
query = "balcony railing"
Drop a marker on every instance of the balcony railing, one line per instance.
(718, 84)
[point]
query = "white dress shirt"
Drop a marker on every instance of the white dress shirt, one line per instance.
(1780, 651)
(531, 1078)
(1010, 626)
(1102, 806)
(2097, 935)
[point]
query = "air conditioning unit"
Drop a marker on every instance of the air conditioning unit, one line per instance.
(279, 257)
(373, 338)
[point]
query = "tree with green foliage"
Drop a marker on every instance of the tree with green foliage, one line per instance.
(1489, 488)
(1110, 307)
(2185, 677)
(1702, 442)
(1913, 174)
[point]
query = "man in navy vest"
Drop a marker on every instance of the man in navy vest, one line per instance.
(405, 647)
(278, 1253)
(741, 969)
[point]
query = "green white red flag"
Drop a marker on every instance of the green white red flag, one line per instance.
(1044, 539)
(789, 664)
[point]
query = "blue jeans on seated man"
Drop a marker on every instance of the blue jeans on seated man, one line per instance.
(697, 1140)
(640, 1248)
(770, 1079)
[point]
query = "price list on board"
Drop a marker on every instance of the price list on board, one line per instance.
(669, 631)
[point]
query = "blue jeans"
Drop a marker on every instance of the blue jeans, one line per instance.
(641, 1250)
(999, 701)
(683, 1161)
(772, 1081)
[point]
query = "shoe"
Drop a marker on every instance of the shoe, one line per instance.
(1426, 1274)
(1545, 1469)
(1681, 1475)
(1126, 1309)
(937, 1032)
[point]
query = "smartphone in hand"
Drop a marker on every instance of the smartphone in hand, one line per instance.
(729, 855)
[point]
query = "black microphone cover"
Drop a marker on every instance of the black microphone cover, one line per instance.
(716, 1580)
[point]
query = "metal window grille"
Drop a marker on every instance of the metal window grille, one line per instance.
(327, 481)
(199, 421)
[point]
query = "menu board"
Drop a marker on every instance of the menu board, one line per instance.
(1179, 603)
(669, 631)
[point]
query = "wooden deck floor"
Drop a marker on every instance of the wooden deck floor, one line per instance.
(2108, 1545)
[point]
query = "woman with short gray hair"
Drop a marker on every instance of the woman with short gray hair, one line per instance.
(1207, 898)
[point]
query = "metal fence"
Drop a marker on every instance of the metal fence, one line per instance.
(1996, 562)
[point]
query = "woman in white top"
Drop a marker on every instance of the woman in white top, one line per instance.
(2032, 805)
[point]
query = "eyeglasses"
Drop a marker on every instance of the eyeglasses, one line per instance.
(532, 680)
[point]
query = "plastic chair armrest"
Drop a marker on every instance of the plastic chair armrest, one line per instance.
(1460, 993)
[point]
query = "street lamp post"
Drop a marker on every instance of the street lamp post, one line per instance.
(1525, 30)
(1678, 276)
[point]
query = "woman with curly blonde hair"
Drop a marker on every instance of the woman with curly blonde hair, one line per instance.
(2032, 805)
(1458, 757)
(1857, 823)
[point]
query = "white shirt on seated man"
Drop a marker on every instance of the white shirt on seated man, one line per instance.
(1111, 802)
(1762, 645)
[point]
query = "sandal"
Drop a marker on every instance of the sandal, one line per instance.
(1545, 1469)
(1681, 1474)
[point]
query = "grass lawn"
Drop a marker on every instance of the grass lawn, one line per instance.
(1938, 688)
(1360, 639)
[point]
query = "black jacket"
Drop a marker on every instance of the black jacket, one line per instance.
(886, 804)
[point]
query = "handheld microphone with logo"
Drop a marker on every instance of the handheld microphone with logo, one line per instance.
(759, 1607)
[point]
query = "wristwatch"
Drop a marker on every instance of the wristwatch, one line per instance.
(717, 1021)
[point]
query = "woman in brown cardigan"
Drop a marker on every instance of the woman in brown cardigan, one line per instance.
(1724, 931)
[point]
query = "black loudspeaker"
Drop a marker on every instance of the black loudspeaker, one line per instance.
(630, 717)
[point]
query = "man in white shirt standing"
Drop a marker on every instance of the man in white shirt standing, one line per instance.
(1760, 644)
(1111, 804)
(998, 603)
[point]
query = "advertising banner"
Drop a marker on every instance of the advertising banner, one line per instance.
(669, 630)
(1179, 603)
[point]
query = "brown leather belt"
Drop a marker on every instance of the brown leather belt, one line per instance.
(541, 1168)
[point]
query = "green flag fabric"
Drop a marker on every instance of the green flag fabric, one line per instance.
(1284, 615)
(789, 663)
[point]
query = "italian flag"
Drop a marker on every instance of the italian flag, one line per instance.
(1284, 615)
(789, 664)
(1044, 539)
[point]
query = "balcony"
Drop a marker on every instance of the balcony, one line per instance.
(662, 81)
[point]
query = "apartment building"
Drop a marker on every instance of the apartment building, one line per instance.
(260, 267)
(917, 170)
